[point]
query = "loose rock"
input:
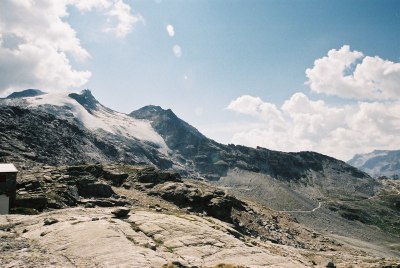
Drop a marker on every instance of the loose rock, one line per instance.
(120, 212)
(50, 221)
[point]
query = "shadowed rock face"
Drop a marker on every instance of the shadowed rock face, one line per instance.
(36, 136)
(85, 99)
(61, 187)
(214, 202)
(29, 136)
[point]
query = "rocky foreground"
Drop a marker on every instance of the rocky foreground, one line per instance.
(94, 238)
(137, 216)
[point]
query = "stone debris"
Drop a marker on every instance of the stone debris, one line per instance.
(120, 212)
(49, 221)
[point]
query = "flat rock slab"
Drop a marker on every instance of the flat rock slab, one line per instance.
(205, 241)
(145, 239)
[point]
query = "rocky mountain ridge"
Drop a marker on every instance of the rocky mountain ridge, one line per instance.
(215, 158)
(149, 135)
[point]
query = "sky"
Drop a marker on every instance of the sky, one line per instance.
(285, 75)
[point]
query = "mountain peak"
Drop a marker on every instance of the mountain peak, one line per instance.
(177, 133)
(25, 93)
(86, 99)
(150, 112)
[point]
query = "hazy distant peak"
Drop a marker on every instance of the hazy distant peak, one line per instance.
(378, 162)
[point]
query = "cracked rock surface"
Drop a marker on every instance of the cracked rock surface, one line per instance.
(92, 237)
(145, 239)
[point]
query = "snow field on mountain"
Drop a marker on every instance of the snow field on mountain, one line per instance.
(101, 118)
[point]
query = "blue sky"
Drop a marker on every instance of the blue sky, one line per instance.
(231, 49)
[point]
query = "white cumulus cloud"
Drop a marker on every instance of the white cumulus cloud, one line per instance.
(303, 124)
(125, 20)
(254, 106)
(170, 30)
(350, 74)
(371, 121)
(36, 44)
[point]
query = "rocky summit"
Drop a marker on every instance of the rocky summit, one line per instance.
(98, 188)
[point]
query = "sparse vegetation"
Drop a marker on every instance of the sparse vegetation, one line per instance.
(381, 212)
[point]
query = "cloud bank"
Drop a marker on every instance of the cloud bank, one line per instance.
(36, 44)
(372, 122)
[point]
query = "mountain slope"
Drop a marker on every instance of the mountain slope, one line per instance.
(85, 110)
(215, 160)
(378, 163)
(62, 128)
(208, 155)
(30, 136)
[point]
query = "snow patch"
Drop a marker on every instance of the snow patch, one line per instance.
(102, 118)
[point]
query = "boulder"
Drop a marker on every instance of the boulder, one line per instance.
(156, 177)
(94, 170)
(120, 212)
(108, 202)
(117, 179)
(89, 205)
(214, 202)
(94, 189)
(49, 221)
(35, 201)
(330, 264)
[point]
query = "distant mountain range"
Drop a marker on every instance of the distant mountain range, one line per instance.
(378, 163)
